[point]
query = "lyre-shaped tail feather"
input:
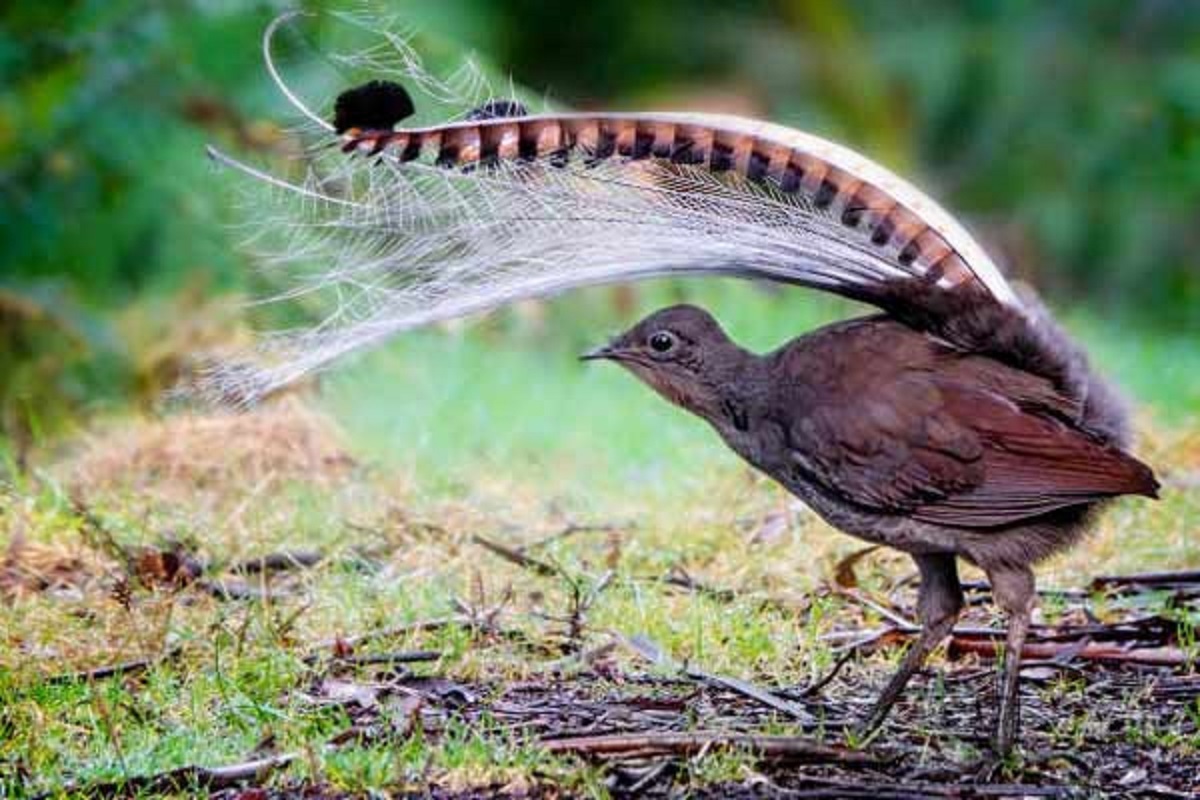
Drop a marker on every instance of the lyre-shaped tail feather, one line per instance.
(447, 220)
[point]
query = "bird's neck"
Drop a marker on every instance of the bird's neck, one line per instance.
(736, 384)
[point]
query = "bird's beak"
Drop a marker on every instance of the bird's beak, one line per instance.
(595, 354)
(604, 351)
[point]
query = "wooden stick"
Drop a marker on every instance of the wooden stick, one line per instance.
(901, 622)
(419, 626)
(405, 657)
(111, 671)
(760, 695)
(100, 673)
(279, 562)
(775, 748)
(648, 649)
(677, 577)
(1180, 577)
(572, 528)
(184, 779)
(240, 590)
(518, 558)
(1154, 656)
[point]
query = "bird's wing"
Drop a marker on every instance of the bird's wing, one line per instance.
(955, 454)
(394, 229)
(1032, 464)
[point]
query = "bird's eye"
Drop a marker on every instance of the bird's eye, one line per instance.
(661, 342)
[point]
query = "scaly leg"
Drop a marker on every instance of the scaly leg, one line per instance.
(1013, 590)
(939, 600)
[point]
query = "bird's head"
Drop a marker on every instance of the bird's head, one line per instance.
(681, 352)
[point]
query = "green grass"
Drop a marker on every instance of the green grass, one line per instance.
(494, 430)
(509, 395)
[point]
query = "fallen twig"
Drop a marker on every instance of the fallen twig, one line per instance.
(572, 528)
(660, 770)
(1129, 630)
(648, 649)
(678, 577)
(346, 643)
(1048, 591)
(517, 557)
(403, 657)
(279, 562)
(774, 748)
(111, 671)
(835, 789)
(867, 636)
(1180, 578)
(582, 598)
(184, 779)
(240, 590)
(760, 695)
(901, 622)
(824, 681)
(100, 673)
(1151, 626)
(1152, 656)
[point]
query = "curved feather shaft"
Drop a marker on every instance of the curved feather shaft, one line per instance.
(900, 218)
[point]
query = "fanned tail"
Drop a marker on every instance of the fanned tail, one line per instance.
(398, 228)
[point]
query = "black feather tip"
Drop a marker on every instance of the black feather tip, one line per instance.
(495, 109)
(374, 106)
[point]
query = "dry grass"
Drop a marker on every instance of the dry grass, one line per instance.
(30, 568)
(219, 454)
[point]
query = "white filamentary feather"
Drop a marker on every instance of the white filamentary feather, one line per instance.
(376, 246)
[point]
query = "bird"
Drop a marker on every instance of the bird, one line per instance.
(896, 436)
(958, 422)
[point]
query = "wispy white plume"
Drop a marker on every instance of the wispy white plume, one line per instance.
(374, 246)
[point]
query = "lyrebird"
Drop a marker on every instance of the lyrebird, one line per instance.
(959, 423)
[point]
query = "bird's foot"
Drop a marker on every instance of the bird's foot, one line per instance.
(1004, 737)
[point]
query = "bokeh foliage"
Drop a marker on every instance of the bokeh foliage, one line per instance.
(1068, 133)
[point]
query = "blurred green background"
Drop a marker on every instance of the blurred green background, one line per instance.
(1067, 134)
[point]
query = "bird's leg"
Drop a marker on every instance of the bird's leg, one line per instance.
(939, 600)
(1013, 590)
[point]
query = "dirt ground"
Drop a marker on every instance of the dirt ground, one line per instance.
(934, 746)
(1100, 718)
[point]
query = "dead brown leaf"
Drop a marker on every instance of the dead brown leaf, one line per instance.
(843, 572)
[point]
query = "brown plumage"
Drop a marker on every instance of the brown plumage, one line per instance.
(960, 423)
(898, 436)
(901, 422)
